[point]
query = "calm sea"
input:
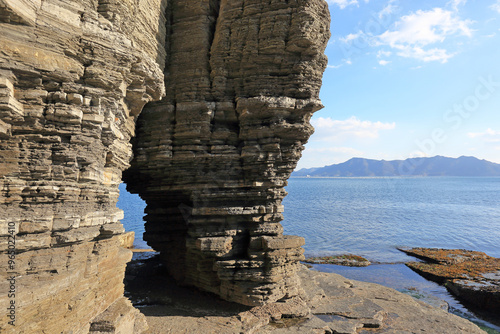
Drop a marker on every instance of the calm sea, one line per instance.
(373, 216)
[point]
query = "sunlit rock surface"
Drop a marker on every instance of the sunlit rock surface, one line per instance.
(242, 81)
(74, 76)
(237, 83)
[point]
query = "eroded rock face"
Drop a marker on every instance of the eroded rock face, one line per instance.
(74, 76)
(211, 159)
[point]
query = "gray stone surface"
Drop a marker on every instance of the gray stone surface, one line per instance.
(329, 303)
(374, 308)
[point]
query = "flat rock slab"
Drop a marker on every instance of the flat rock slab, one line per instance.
(346, 306)
(348, 260)
(472, 276)
(329, 303)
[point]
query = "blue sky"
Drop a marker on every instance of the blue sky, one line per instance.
(409, 78)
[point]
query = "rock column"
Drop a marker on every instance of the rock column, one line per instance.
(212, 158)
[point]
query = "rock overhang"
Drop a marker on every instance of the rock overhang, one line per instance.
(240, 81)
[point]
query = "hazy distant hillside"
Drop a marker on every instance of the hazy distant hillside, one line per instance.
(435, 166)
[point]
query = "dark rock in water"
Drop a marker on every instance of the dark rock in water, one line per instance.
(348, 260)
(472, 276)
(483, 292)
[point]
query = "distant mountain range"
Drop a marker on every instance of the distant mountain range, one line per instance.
(435, 166)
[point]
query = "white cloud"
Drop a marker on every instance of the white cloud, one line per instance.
(426, 27)
(416, 31)
(487, 144)
(382, 53)
(496, 6)
(456, 3)
(344, 62)
(351, 37)
(488, 136)
(383, 62)
(388, 9)
(328, 129)
(418, 154)
(416, 52)
(344, 150)
(343, 3)
(325, 156)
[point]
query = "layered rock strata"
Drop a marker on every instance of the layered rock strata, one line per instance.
(74, 76)
(212, 158)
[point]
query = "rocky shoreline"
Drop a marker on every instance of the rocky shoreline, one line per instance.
(328, 303)
(473, 277)
(349, 260)
(201, 107)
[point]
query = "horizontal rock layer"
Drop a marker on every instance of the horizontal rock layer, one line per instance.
(74, 75)
(211, 159)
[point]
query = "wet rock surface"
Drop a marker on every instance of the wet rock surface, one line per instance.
(342, 260)
(472, 276)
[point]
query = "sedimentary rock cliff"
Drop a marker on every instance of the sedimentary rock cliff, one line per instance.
(74, 76)
(211, 159)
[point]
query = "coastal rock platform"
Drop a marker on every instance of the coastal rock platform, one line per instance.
(473, 277)
(348, 260)
(328, 303)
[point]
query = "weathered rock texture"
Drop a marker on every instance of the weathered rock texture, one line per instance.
(74, 76)
(211, 159)
(338, 305)
(472, 276)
